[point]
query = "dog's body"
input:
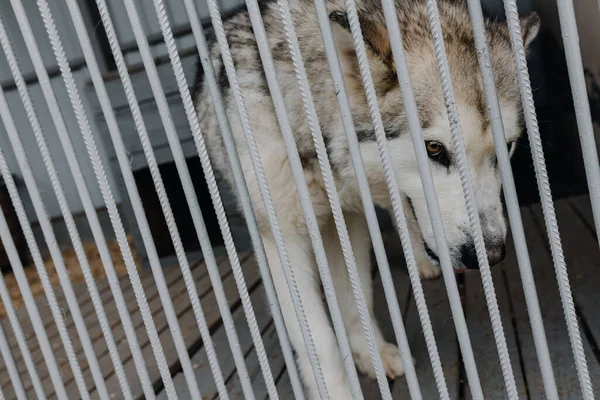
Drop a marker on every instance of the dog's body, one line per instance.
(425, 80)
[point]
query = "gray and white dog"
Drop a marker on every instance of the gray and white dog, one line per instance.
(418, 44)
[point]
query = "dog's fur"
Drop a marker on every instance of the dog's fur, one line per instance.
(418, 44)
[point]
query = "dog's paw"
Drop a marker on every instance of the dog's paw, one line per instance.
(427, 270)
(390, 357)
(392, 363)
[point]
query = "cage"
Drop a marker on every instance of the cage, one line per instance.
(134, 268)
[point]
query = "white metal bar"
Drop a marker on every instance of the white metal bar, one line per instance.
(469, 193)
(67, 216)
(265, 193)
(15, 261)
(537, 153)
(244, 196)
(570, 35)
(50, 238)
(510, 195)
(140, 126)
(7, 355)
(333, 197)
(303, 194)
(398, 210)
(92, 217)
(133, 194)
(198, 221)
(218, 206)
(410, 108)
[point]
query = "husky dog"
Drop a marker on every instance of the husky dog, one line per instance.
(412, 16)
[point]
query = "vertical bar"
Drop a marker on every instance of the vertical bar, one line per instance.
(410, 107)
(303, 193)
(92, 217)
(537, 153)
(510, 195)
(469, 193)
(126, 251)
(217, 203)
(123, 161)
(15, 261)
(192, 201)
(568, 27)
(265, 193)
(244, 197)
(333, 198)
(5, 350)
(398, 211)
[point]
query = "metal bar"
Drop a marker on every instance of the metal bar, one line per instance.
(7, 355)
(570, 35)
(333, 198)
(469, 193)
(265, 193)
(218, 205)
(15, 261)
(244, 197)
(198, 221)
(305, 201)
(396, 201)
(537, 153)
(510, 195)
(49, 236)
(127, 255)
(410, 108)
(91, 214)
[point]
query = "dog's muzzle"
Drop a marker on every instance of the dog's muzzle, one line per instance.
(496, 253)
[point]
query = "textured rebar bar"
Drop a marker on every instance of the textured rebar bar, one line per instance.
(83, 191)
(7, 355)
(192, 201)
(510, 196)
(304, 196)
(539, 163)
(17, 266)
(398, 211)
(244, 196)
(265, 192)
(333, 197)
(218, 206)
(410, 108)
(469, 193)
(47, 231)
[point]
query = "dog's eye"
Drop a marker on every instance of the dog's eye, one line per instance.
(437, 152)
(434, 148)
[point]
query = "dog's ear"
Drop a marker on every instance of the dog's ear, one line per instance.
(530, 27)
(341, 32)
(374, 33)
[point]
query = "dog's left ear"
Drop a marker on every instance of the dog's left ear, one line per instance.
(530, 27)
(375, 35)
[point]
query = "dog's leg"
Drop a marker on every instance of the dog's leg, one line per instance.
(323, 336)
(427, 270)
(361, 246)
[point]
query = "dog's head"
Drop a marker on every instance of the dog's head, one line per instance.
(472, 110)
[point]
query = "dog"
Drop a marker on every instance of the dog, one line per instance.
(464, 68)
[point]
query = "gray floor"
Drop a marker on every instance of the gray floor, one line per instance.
(582, 254)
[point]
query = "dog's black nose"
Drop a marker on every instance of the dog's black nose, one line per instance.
(495, 253)
(469, 256)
